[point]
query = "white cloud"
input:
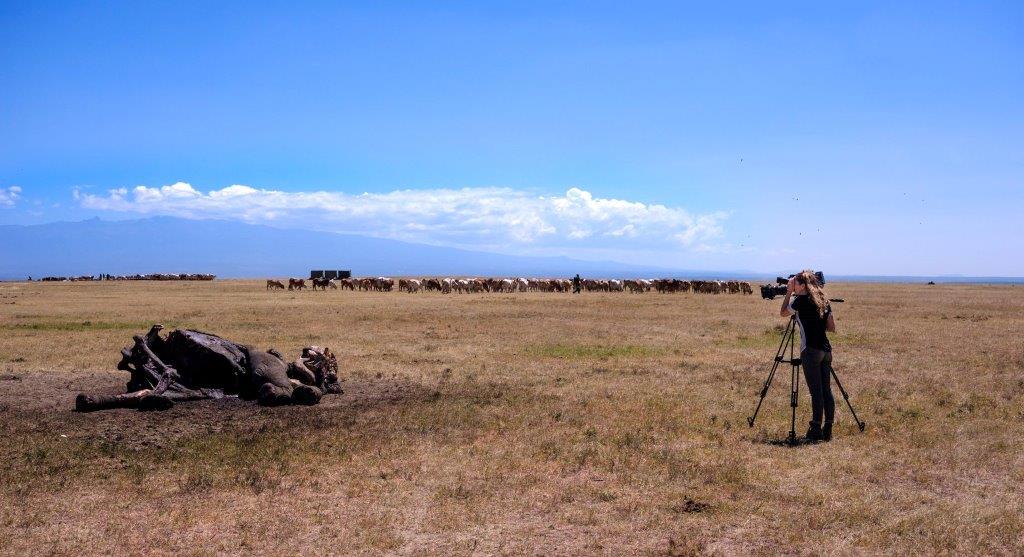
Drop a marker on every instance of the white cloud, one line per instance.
(9, 196)
(487, 217)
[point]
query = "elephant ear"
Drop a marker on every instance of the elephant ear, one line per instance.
(267, 368)
(297, 370)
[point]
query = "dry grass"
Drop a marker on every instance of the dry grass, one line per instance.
(517, 424)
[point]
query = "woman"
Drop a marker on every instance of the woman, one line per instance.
(807, 301)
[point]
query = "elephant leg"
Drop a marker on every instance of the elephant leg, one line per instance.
(155, 402)
(307, 395)
(91, 403)
(273, 395)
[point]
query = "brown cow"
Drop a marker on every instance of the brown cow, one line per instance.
(296, 284)
(274, 284)
(321, 283)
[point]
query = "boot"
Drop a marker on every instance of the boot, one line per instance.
(813, 433)
(826, 431)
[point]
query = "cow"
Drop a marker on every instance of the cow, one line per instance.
(745, 288)
(347, 284)
(321, 283)
(274, 285)
(633, 286)
(296, 284)
(409, 285)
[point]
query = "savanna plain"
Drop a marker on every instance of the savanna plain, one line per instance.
(529, 423)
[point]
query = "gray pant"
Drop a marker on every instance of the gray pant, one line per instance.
(818, 373)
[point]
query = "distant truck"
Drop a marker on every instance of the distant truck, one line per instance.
(330, 274)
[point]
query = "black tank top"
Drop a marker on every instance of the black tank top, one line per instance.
(812, 325)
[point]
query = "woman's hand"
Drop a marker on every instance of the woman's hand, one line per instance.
(791, 286)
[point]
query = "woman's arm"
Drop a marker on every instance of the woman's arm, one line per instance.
(784, 311)
(830, 323)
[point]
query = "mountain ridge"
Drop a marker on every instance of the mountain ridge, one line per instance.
(230, 249)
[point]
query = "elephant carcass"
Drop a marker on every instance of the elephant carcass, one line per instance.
(191, 365)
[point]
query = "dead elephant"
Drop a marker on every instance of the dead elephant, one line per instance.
(193, 365)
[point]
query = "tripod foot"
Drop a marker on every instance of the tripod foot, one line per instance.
(862, 425)
(750, 422)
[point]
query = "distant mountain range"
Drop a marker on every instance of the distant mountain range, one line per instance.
(236, 250)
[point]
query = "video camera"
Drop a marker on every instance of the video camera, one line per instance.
(770, 291)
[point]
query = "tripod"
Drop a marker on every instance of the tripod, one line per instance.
(789, 337)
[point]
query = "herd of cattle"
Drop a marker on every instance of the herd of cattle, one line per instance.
(508, 285)
(151, 276)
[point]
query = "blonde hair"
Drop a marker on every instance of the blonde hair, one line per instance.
(814, 290)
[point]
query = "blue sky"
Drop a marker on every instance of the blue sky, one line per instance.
(874, 138)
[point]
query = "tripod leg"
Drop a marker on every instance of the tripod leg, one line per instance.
(795, 362)
(793, 393)
(764, 392)
(779, 352)
(861, 425)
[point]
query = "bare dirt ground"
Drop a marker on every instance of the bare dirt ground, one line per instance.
(517, 424)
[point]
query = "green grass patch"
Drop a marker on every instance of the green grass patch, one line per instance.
(769, 337)
(587, 351)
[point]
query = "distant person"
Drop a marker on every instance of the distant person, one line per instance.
(807, 301)
(576, 284)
